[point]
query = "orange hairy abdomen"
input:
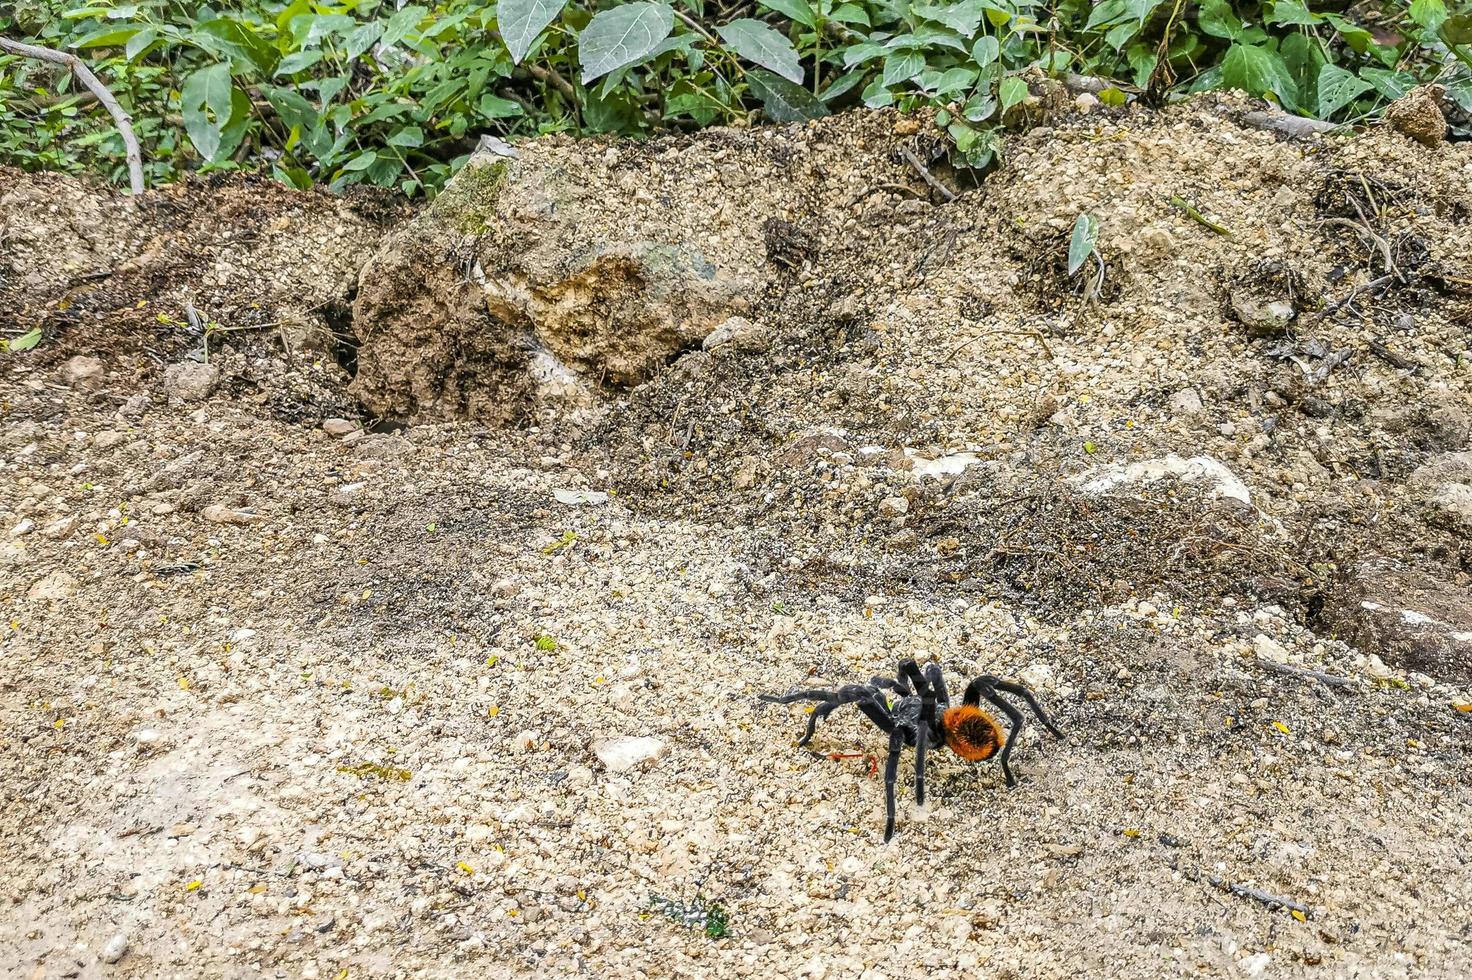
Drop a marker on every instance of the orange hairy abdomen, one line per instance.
(971, 733)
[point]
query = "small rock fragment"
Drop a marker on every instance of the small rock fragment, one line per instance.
(116, 949)
(576, 498)
(24, 527)
(1187, 401)
(220, 514)
(337, 428)
(626, 752)
(189, 381)
(57, 585)
(894, 507)
(737, 333)
(82, 372)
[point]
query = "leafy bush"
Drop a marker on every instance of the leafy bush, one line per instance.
(364, 91)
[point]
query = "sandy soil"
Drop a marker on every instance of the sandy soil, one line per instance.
(302, 703)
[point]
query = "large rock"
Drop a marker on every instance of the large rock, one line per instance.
(1411, 619)
(558, 274)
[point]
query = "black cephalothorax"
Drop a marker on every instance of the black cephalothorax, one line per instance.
(911, 719)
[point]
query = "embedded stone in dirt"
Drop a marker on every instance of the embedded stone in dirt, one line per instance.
(220, 514)
(57, 585)
(189, 381)
(1409, 618)
(82, 372)
(1221, 481)
(626, 752)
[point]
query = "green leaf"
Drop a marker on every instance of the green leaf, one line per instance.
(797, 10)
(25, 341)
(843, 83)
(408, 137)
(401, 23)
(953, 80)
(522, 21)
(495, 107)
(1012, 91)
(107, 37)
(622, 36)
(1141, 9)
(362, 161)
(1428, 13)
(1218, 19)
(139, 43)
(362, 37)
(783, 101)
(1338, 88)
(850, 13)
(1258, 71)
(209, 88)
(902, 67)
(1084, 241)
(964, 18)
(297, 61)
(986, 50)
(1293, 13)
(876, 96)
(1104, 13)
(1303, 56)
(1390, 84)
(1457, 30)
(1112, 97)
(756, 42)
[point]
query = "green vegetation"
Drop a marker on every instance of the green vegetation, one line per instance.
(366, 91)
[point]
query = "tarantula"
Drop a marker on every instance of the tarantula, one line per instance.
(911, 719)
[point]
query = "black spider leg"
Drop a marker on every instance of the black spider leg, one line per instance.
(986, 686)
(1032, 703)
(891, 769)
(937, 681)
(890, 684)
(910, 671)
(830, 701)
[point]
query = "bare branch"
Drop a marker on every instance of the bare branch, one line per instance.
(95, 86)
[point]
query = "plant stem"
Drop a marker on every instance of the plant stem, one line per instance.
(1196, 215)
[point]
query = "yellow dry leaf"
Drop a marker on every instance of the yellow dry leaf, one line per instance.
(582, 895)
(193, 886)
(183, 683)
(101, 538)
(1299, 916)
(465, 867)
(1459, 705)
(58, 723)
(1282, 728)
(1131, 832)
(256, 890)
(493, 711)
(367, 593)
(492, 661)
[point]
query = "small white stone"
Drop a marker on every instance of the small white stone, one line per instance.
(1269, 649)
(24, 527)
(894, 507)
(525, 741)
(625, 752)
(116, 948)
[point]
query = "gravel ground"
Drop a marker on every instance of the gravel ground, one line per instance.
(289, 697)
(355, 734)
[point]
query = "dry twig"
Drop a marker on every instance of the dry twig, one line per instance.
(95, 86)
(925, 174)
(1329, 680)
(1245, 891)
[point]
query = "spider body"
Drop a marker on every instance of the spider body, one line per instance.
(922, 715)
